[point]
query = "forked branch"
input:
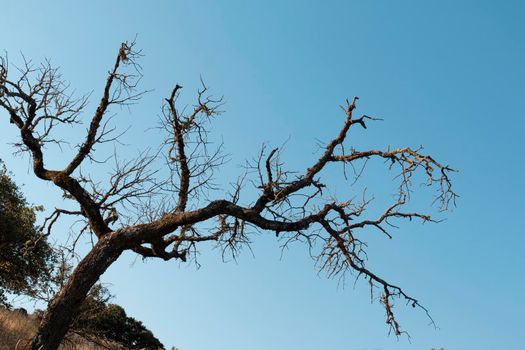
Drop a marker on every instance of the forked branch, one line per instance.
(176, 214)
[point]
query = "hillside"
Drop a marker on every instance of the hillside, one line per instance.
(16, 330)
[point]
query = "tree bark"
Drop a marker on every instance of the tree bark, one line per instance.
(65, 304)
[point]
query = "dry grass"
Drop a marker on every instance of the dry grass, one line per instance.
(17, 330)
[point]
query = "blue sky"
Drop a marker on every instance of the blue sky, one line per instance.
(448, 75)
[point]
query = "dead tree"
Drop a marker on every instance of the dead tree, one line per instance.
(136, 209)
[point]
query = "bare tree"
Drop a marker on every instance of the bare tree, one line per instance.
(137, 209)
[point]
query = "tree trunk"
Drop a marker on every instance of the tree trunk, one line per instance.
(65, 304)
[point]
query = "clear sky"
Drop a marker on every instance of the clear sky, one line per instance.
(447, 74)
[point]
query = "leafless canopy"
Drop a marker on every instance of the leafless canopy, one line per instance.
(292, 205)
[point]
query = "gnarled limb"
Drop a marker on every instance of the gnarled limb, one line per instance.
(170, 211)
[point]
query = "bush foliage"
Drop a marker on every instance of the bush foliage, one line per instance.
(25, 254)
(100, 319)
